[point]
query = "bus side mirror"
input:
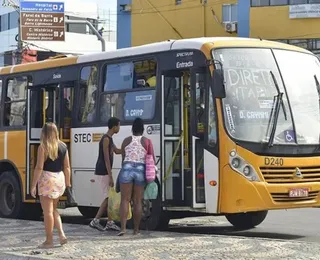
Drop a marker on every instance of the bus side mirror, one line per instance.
(219, 90)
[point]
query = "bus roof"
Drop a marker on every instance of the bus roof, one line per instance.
(193, 43)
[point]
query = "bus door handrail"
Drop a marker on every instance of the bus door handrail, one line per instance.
(167, 174)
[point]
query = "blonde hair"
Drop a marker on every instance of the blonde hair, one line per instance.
(49, 141)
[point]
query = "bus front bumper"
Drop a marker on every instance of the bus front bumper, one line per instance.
(237, 194)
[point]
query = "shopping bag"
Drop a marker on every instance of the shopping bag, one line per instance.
(150, 163)
(151, 191)
(114, 206)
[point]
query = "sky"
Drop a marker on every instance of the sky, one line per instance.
(105, 6)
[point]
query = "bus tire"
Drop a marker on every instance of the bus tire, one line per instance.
(11, 205)
(153, 216)
(88, 212)
(247, 220)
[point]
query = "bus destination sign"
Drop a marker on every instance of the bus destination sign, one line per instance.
(42, 21)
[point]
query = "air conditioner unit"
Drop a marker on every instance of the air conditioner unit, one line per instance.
(231, 27)
(125, 8)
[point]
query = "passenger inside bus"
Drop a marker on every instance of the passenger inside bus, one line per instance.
(152, 81)
(92, 113)
(51, 107)
(7, 109)
(144, 74)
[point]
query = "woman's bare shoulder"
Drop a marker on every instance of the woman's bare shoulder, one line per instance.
(144, 141)
(126, 141)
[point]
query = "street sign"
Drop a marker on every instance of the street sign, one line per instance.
(42, 21)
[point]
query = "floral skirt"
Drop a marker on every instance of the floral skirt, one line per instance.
(51, 184)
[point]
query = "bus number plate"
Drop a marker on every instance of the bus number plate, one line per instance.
(270, 161)
(298, 193)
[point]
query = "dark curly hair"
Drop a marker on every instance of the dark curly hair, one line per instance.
(138, 126)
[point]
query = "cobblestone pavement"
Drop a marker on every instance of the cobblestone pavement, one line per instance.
(19, 240)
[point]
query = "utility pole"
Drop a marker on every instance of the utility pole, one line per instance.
(20, 43)
(109, 25)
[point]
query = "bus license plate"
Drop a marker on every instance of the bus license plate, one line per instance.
(296, 193)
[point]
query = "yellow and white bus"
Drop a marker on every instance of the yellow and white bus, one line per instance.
(235, 123)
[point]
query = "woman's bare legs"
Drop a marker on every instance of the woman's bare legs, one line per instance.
(137, 200)
(126, 193)
(58, 223)
(47, 208)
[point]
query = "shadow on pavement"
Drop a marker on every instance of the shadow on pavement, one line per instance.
(229, 230)
(201, 229)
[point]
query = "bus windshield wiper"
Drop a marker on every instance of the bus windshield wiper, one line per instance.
(318, 89)
(277, 102)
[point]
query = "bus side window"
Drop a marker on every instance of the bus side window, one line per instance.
(120, 79)
(88, 88)
(212, 121)
(1, 107)
(15, 102)
(0, 89)
(145, 74)
(130, 75)
(112, 105)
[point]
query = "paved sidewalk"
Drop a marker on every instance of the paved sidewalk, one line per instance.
(19, 240)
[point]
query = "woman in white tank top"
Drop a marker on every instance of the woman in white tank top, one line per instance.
(132, 174)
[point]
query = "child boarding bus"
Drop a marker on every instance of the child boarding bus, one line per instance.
(235, 123)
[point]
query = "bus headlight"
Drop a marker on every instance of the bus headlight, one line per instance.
(239, 165)
(235, 162)
(246, 170)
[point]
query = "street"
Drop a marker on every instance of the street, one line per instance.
(295, 224)
(292, 234)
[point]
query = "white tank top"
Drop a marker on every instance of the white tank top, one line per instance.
(135, 152)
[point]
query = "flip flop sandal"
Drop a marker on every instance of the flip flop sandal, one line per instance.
(63, 241)
(45, 246)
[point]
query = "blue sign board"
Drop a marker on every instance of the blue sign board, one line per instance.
(41, 7)
(42, 21)
(139, 104)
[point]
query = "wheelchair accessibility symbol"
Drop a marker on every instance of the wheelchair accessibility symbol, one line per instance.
(289, 136)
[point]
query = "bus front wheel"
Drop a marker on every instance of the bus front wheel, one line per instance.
(247, 220)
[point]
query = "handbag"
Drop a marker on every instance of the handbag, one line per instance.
(150, 163)
(71, 202)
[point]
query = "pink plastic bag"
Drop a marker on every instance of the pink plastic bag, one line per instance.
(150, 163)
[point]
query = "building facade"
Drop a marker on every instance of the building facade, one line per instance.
(292, 21)
(79, 38)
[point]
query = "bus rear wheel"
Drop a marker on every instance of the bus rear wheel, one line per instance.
(247, 220)
(153, 216)
(11, 204)
(10, 196)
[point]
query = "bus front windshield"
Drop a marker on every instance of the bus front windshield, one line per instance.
(251, 78)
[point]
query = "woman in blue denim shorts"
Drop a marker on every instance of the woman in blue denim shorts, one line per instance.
(132, 174)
